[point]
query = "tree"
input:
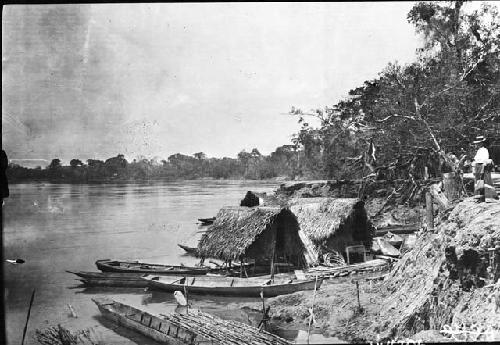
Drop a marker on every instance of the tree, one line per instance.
(200, 155)
(116, 166)
(407, 110)
(75, 163)
(55, 164)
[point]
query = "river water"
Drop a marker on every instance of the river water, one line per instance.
(59, 227)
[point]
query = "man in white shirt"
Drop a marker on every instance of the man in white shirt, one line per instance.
(482, 164)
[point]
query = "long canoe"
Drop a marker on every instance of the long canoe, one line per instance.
(129, 280)
(107, 265)
(207, 221)
(193, 328)
(229, 286)
(189, 250)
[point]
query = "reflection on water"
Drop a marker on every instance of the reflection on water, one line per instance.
(59, 227)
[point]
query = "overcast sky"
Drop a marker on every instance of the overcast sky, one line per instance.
(92, 81)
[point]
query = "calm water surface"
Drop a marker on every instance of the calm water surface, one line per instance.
(59, 227)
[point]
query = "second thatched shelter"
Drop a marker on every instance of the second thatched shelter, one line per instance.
(328, 224)
(260, 233)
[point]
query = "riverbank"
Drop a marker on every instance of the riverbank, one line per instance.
(443, 283)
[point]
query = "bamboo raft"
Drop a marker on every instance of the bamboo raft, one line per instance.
(367, 266)
(191, 328)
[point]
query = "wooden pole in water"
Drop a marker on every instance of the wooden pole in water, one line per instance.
(28, 316)
(429, 211)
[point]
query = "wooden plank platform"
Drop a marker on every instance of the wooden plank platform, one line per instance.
(402, 229)
(339, 271)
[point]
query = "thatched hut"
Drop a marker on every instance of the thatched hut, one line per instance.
(260, 233)
(328, 224)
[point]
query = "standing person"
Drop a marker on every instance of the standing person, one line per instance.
(482, 164)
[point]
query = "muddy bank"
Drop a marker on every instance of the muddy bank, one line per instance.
(444, 283)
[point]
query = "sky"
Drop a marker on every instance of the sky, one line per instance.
(93, 81)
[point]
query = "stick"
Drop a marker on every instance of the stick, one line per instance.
(357, 288)
(28, 316)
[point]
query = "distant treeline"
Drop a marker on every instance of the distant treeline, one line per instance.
(248, 165)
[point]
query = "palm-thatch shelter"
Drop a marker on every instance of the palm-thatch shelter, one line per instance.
(331, 224)
(260, 233)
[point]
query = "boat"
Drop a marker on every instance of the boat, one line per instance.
(192, 328)
(107, 265)
(206, 221)
(233, 286)
(189, 250)
(114, 279)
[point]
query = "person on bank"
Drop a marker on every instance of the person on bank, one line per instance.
(483, 165)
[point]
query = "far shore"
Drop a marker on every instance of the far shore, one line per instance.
(113, 181)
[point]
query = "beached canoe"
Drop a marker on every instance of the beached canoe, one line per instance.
(189, 250)
(113, 279)
(232, 286)
(193, 328)
(107, 265)
(207, 221)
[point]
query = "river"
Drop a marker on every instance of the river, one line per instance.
(59, 227)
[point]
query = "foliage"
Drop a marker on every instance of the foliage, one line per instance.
(408, 110)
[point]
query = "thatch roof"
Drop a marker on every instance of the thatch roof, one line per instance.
(328, 224)
(236, 228)
(320, 218)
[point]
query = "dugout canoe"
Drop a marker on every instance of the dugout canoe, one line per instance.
(193, 328)
(112, 279)
(189, 250)
(107, 265)
(206, 221)
(232, 286)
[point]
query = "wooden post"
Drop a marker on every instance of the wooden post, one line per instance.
(450, 185)
(274, 253)
(241, 267)
(429, 211)
(187, 296)
(357, 288)
(426, 173)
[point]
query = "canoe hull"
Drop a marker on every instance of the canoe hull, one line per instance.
(125, 283)
(137, 267)
(161, 337)
(193, 328)
(222, 287)
(189, 250)
(129, 280)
